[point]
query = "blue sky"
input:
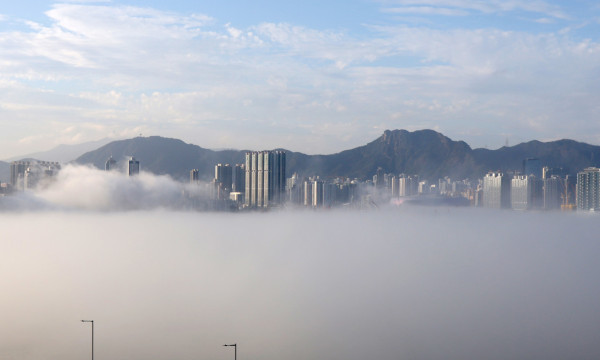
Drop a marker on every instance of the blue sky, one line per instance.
(308, 76)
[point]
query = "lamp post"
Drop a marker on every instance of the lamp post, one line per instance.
(91, 321)
(234, 349)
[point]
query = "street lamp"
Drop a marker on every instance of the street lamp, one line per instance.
(234, 349)
(91, 321)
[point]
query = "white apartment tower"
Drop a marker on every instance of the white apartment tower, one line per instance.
(265, 178)
(588, 189)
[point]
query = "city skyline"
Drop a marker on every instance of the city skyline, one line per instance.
(310, 77)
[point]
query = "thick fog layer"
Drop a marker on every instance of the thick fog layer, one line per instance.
(86, 188)
(406, 283)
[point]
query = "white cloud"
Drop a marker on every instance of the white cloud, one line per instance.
(426, 10)
(482, 6)
(132, 69)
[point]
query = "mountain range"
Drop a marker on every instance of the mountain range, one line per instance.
(63, 153)
(424, 152)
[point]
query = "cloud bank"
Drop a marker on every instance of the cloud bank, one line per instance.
(89, 189)
(110, 70)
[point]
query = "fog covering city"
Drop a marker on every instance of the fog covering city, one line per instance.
(395, 282)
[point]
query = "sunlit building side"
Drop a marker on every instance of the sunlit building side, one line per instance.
(521, 192)
(265, 178)
(496, 190)
(588, 189)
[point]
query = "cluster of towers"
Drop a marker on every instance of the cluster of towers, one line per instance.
(536, 187)
(258, 183)
(26, 175)
(133, 165)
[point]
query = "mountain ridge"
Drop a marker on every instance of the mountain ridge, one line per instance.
(63, 153)
(427, 153)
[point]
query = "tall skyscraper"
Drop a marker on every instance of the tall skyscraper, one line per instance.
(308, 189)
(224, 176)
(553, 186)
(408, 185)
(588, 189)
(394, 186)
(194, 176)
(265, 178)
(317, 193)
(134, 167)
(239, 178)
(110, 164)
(17, 173)
(223, 181)
(378, 178)
(496, 190)
(521, 194)
(23, 173)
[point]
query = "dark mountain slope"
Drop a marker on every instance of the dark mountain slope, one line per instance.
(571, 155)
(425, 152)
(163, 156)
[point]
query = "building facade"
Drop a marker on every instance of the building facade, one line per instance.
(26, 174)
(239, 178)
(265, 178)
(133, 167)
(521, 192)
(496, 190)
(110, 164)
(588, 189)
(553, 187)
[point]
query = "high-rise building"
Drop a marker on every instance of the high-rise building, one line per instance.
(521, 194)
(496, 190)
(394, 187)
(17, 173)
(408, 185)
(133, 167)
(110, 164)
(588, 189)
(30, 170)
(330, 191)
(308, 190)
(194, 176)
(265, 178)
(423, 187)
(317, 193)
(224, 176)
(239, 178)
(379, 178)
(553, 186)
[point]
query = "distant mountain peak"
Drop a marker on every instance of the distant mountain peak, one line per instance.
(425, 152)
